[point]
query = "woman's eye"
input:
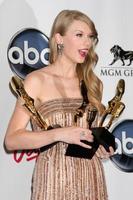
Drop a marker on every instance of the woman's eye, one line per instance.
(92, 37)
(79, 34)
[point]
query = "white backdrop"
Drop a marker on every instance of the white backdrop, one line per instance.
(113, 19)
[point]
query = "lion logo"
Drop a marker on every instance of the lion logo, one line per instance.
(120, 54)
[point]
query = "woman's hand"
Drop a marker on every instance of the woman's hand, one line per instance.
(74, 135)
(103, 154)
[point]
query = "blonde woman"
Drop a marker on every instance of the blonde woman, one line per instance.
(57, 95)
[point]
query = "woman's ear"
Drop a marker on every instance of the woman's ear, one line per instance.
(58, 38)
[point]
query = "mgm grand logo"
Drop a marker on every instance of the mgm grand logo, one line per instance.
(121, 64)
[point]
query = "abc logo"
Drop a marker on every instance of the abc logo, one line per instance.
(27, 55)
(28, 51)
(124, 144)
(123, 157)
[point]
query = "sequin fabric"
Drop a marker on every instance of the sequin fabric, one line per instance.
(60, 177)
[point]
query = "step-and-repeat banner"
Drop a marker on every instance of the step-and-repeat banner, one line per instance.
(24, 35)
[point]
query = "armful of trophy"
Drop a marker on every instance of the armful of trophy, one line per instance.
(101, 133)
(28, 102)
(115, 107)
(17, 86)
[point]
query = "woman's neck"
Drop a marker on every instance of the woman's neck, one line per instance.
(65, 69)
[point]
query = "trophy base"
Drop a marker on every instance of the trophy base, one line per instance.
(101, 137)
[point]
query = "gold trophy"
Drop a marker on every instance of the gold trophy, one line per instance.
(17, 86)
(28, 102)
(115, 106)
(101, 133)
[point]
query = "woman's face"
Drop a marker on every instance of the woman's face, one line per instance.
(77, 41)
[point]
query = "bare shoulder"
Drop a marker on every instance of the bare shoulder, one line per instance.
(36, 80)
(33, 82)
(38, 76)
(48, 71)
(32, 79)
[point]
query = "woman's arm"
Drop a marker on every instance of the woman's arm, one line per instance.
(17, 135)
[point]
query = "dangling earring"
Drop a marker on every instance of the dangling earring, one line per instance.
(60, 48)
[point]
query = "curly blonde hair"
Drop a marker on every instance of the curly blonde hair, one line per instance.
(84, 70)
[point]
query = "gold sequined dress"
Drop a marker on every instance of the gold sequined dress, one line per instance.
(60, 177)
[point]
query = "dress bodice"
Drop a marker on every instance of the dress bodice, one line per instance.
(62, 112)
